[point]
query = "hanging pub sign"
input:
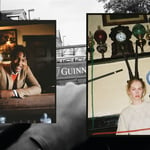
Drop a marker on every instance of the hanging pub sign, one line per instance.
(71, 70)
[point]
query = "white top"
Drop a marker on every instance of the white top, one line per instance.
(135, 117)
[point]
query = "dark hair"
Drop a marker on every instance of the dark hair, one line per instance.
(17, 49)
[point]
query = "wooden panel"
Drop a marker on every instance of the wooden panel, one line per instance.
(43, 101)
(103, 124)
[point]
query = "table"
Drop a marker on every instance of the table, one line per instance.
(29, 109)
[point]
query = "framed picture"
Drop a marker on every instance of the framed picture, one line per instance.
(40, 47)
(8, 39)
(118, 19)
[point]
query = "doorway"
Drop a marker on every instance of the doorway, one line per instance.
(41, 55)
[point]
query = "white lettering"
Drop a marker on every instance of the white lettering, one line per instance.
(78, 71)
(64, 71)
(72, 71)
(83, 69)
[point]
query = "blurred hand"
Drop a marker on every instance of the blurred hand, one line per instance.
(70, 126)
(24, 143)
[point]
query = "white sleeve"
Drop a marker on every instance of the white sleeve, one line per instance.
(122, 126)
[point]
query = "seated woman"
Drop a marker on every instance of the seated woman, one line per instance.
(17, 79)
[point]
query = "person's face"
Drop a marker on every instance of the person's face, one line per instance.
(19, 62)
(136, 91)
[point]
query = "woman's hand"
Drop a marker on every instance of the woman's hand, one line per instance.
(6, 94)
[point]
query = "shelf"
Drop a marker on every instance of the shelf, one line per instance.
(112, 60)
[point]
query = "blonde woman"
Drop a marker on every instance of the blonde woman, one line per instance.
(135, 119)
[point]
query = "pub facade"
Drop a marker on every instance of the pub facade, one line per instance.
(71, 64)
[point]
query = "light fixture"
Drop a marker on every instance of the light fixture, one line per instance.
(139, 31)
(100, 37)
(8, 42)
(148, 34)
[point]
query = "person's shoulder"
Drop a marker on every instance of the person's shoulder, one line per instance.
(4, 66)
(126, 110)
(1, 65)
(147, 103)
(26, 68)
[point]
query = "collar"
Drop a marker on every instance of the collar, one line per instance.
(12, 72)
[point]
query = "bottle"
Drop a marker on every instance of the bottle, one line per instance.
(2, 119)
(45, 119)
